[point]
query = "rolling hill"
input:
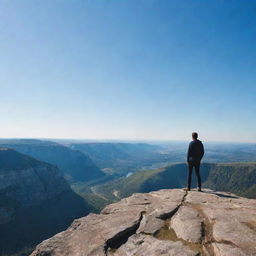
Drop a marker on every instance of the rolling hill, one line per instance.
(239, 178)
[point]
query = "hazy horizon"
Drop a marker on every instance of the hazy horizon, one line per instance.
(124, 140)
(128, 70)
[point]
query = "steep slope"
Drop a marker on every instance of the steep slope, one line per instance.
(73, 163)
(164, 222)
(35, 201)
(239, 178)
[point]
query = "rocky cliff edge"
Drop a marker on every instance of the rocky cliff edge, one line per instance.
(165, 222)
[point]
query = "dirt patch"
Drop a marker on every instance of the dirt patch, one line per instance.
(251, 225)
(167, 233)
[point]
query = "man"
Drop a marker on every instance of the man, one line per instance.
(194, 156)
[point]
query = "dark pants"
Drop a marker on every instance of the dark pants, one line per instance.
(195, 165)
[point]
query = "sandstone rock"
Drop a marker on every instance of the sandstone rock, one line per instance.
(227, 250)
(165, 222)
(150, 224)
(187, 224)
(144, 245)
(231, 220)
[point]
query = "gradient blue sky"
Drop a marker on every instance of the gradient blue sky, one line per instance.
(128, 69)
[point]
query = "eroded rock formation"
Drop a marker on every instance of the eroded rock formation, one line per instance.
(165, 222)
(35, 202)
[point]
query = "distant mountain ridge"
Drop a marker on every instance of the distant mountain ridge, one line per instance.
(123, 157)
(35, 201)
(73, 163)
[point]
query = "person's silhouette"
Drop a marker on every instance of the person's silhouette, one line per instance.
(194, 156)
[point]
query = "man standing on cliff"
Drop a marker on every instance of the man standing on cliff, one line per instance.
(194, 156)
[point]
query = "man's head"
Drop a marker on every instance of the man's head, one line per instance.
(194, 135)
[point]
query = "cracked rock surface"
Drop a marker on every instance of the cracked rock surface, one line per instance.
(165, 222)
(187, 224)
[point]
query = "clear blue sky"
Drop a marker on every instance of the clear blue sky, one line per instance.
(128, 69)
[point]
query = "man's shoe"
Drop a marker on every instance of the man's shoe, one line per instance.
(186, 189)
(199, 189)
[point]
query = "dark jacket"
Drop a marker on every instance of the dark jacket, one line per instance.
(195, 151)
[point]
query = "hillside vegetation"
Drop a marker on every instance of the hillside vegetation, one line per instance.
(239, 178)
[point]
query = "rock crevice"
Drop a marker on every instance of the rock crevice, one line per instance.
(121, 238)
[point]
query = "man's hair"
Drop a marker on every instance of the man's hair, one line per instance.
(194, 135)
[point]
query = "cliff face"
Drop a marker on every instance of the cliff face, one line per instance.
(165, 222)
(29, 181)
(35, 201)
(33, 185)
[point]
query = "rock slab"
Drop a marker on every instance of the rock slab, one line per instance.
(165, 222)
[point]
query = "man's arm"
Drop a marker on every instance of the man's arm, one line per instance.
(189, 152)
(202, 150)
